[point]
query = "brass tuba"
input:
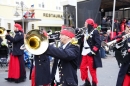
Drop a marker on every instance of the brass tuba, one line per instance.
(36, 42)
(3, 31)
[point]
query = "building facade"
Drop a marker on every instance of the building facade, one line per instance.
(50, 13)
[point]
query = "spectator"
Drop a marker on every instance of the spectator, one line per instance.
(104, 24)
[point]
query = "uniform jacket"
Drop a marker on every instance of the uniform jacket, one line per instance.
(124, 67)
(68, 63)
(54, 68)
(92, 41)
(17, 41)
(42, 65)
(1, 40)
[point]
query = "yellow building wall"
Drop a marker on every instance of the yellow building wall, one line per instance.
(7, 12)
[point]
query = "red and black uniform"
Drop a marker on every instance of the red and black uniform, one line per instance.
(124, 73)
(41, 72)
(66, 60)
(92, 58)
(118, 48)
(16, 71)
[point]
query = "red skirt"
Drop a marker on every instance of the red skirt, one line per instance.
(33, 78)
(14, 67)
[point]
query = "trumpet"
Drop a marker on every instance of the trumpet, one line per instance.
(36, 42)
(107, 45)
(81, 31)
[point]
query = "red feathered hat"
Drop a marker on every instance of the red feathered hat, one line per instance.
(19, 27)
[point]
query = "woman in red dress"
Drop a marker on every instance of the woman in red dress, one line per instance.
(16, 71)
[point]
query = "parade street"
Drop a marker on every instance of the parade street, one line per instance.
(107, 75)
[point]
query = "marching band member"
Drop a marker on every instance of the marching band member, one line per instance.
(68, 56)
(90, 54)
(124, 73)
(119, 46)
(16, 71)
(40, 72)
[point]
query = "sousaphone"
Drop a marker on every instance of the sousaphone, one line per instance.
(36, 42)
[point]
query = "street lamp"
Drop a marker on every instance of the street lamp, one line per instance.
(20, 7)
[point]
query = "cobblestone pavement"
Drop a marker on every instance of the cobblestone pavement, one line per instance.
(107, 75)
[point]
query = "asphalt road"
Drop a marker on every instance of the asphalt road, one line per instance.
(107, 75)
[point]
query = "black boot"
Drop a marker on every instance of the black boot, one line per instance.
(87, 83)
(9, 79)
(94, 84)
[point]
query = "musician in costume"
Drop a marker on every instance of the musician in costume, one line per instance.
(117, 48)
(40, 70)
(124, 73)
(66, 58)
(16, 71)
(67, 64)
(90, 54)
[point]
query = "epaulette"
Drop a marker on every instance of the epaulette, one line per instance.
(74, 41)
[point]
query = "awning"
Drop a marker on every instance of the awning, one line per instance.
(107, 5)
(27, 20)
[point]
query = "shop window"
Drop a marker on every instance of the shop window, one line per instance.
(42, 28)
(9, 26)
(32, 26)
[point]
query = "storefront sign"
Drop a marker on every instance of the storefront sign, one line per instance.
(52, 15)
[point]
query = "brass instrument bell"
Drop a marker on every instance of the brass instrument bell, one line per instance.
(3, 31)
(36, 42)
